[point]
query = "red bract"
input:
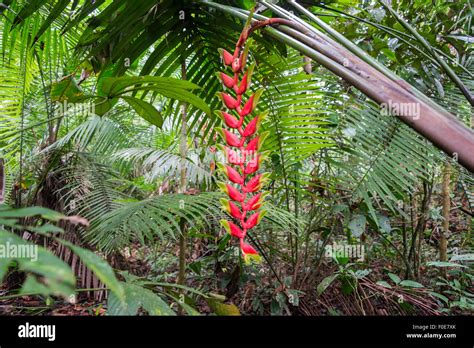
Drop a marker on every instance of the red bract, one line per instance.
(253, 144)
(248, 107)
(226, 80)
(233, 229)
(231, 208)
(232, 174)
(254, 219)
(230, 101)
(243, 85)
(244, 161)
(248, 252)
(236, 65)
(230, 138)
(252, 127)
(254, 203)
(255, 183)
(250, 104)
(253, 165)
(230, 120)
(232, 192)
(232, 156)
(227, 57)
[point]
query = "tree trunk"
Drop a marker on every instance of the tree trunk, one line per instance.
(2, 181)
(182, 186)
(431, 121)
(443, 243)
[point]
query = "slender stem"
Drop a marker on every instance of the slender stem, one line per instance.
(182, 186)
(443, 242)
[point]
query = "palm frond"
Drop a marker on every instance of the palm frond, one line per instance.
(158, 217)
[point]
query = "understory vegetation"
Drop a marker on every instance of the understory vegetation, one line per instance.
(110, 153)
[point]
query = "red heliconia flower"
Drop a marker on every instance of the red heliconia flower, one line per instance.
(253, 165)
(245, 156)
(254, 203)
(232, 156)
(250, 104)
(229, 120)
(230, 138)
(229, 101)
(232, 192)
(253, 184)
(253, 144)
(248, 107)
(236, 65)
(227, 57)
(243, 57)
(231, 208)
(243, 85)
(256, 143)
(252, 126)
(232, 174)
(254, 219)
(226, 80)
(247, 249)
(233, 229)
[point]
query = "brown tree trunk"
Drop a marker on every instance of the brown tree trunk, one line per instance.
(443, 243)
(433, 122)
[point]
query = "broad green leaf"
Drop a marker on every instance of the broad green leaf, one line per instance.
(112, 86)
(294, 296)
(411, 284)
(223, 309)
(384, 223)
(59, 278)
(465, 257)
(384, 284)
(45, 213)
(444, 264)
(136, 297)
(440, 296)
(45, 229)
(66, 89)
(325, 283)
(32, 286)
(104, 104)
(145, 110)
(396, 279)
(184, 96)
(49, 266)
(357, 225)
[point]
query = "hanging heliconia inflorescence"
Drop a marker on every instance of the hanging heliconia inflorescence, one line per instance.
(242, 149)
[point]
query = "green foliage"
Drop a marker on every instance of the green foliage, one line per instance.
(47, 274)
(159, 216)
(341, 169)
(136, 298)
